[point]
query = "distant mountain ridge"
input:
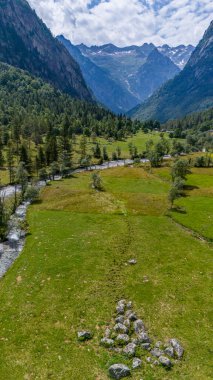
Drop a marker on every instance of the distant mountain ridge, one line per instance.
(27, 43)
(190, 91)
(179, 55)
(122, 76)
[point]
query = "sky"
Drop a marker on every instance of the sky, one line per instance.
(127, 22)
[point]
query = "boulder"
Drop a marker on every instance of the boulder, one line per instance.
(129, 305)
(156, 352)
(127, 323)
(146, 346)
(179, 351)
(106, 342)
(120, 309)
(84, 335)
(169, 351)
(122, 339)
(131, 316)
(119, 319)
(136, 363)
(107, 333)
(132, 262)
(165, 361)
(129, 350)
(120, 328)
(118, 371)
(139, 326)
(144, 338)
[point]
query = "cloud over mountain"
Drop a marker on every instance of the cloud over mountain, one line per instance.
(125, 22)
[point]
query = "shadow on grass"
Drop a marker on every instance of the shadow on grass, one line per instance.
(190, 187)
(179, 210)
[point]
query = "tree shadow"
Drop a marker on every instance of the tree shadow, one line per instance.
(190, 187)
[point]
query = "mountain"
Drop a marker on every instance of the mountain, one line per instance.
(190, 91)
(116, 75)
(106, 90)
(27, 43)
(179, 55)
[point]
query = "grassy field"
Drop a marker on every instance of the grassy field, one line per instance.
(73, 271)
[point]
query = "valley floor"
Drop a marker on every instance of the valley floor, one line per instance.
(73, 271)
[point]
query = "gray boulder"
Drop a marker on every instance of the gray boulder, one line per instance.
(136, 363)
(144, 338)
(156, 352)
(118, 371)
(119, 319)
(122, 339)
(179, 351)
(146, 346)
(106, 342)
(169, 351)
(129, 305)
(120, 309)
(127, 323)
(107, 333)
(131, 316)
(84, 335)
(139, 326)
(165, 361)
(120, 328)
(132, 262)
(129, 350)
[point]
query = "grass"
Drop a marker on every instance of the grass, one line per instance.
(73, 271)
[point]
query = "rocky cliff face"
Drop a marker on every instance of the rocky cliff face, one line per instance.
(27, 43)
(191, 90)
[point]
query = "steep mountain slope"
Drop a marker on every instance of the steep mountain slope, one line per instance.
(124, 66)
(191, 90)
(105, 89)
(179, 55)
(156, 71)
(27, 43)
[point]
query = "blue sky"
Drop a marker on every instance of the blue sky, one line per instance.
(127, 22)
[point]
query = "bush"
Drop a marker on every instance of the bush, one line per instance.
(31, 194)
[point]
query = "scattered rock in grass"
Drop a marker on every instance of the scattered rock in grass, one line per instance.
(144, 338)
(107, 333)
(158, 344)
(136, 363)
(120, 319)
(165, 361)
(139, 326)
(118, 371)
(122, 339)
(156, 352)
(156, 362)
(120, 328)
(130, 349)
(120, 309)
(146, 346)
(131, 316)
(127, 323)
(129, 305)
(179, 351)
(84, 335)
(169, 351)
(132, 262)
(149, 359)
(108, 343)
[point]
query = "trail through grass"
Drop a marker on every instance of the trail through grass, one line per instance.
(73, 270)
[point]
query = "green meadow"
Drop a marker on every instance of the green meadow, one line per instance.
(73, 271)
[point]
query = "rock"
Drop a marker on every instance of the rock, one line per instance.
(118, 371)
(84, 335)
(165, 361)
(169, 351)
(119, 319)
(158, 344)
(107, 342)
(144, 338)
(136, 363)
(122, 302)
(156, 352)
(132, 262)
(129, 305)
(129, 350)
(120, 328)
(107, 333)
(139, 326)
(179, 351)
(156, 362)
(149, 359)
(122, 339)
(131, 316)
(120, 309)
(127, 323)
(146, 346)
(135, 341)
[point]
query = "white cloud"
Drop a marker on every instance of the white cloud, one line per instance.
(125, 22)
